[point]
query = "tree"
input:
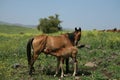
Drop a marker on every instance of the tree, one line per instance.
(50, 24)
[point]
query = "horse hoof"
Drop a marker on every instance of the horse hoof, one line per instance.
(62, 76)
(33, 69)
(54, 75)
(74, 75)
(30, 73)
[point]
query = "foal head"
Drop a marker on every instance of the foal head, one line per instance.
(77, 35)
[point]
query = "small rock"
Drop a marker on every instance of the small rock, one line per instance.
(88, 46)
(16, 65)
(77, 78)
(80, 45)
(90, 64)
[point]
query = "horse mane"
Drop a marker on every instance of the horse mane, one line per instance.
(71, 37)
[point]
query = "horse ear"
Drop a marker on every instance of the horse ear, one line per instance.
(75, 29)
(79, 28)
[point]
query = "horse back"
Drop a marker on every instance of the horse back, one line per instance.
(57, 42)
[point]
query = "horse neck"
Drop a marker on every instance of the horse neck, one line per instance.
(71, 37)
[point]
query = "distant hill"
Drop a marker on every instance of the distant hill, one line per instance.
(15, 29)
(17, 24)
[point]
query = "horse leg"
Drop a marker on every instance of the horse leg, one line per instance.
(58, 66)
(75, 66)
(34, 57)
(67, 65)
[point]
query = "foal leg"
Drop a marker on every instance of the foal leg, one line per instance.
(61, 66)
(75, 66)
(58, 66)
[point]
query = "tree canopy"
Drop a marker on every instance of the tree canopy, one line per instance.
(50, 24)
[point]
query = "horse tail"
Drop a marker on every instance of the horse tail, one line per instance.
(29, 45)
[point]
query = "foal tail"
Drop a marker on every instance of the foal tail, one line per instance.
(29, 45)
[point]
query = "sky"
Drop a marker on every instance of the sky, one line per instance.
(87, 14)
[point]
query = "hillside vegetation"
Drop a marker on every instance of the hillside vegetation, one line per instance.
(102, 51)
(12, 29)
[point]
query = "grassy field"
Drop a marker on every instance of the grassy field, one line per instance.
(103, 51)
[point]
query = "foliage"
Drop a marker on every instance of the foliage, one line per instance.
(104, 51)
(50, 24)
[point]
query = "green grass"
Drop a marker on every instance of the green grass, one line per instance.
(104, 51)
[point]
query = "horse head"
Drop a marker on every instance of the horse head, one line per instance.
(77, 35)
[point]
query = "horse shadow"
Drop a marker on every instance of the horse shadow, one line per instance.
(79, 73)
(50, 71)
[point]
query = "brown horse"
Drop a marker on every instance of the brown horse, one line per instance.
(118, 30)
(62, 54)
(54, 43)
(111, 30)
